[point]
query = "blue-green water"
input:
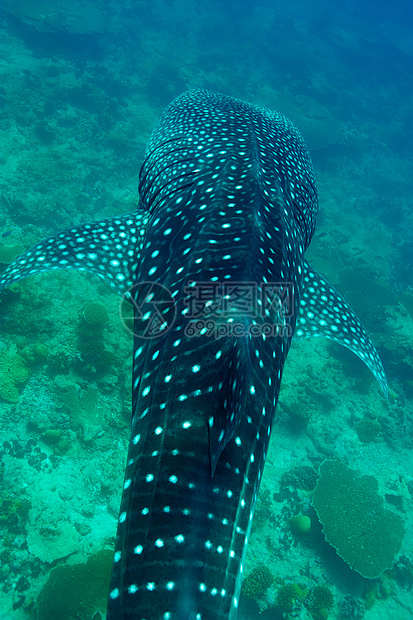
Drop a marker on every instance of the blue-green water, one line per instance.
(83, 84)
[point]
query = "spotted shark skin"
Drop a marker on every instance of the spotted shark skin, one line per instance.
(227, 199)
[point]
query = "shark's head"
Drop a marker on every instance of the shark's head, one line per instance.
(213, 262)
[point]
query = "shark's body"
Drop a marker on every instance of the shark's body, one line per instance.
(227, 208)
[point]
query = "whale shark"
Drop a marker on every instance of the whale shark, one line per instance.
(213, 263)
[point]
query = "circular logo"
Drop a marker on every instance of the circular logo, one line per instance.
(148, 310)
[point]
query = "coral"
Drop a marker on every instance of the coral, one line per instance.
(9, 252)
(352, 607)
(300, 524)
(302, 477)
(257, 582)
(76, 590)
(9, 392)
(290, 596)
(407, 301)
(370, 597)
(36, 353)
(320, 597)
(120, 141)
(60, 361)
(13, 511)
(368, 429)
(52, 436)
(62, 447)
(11, 294)
(365, 534)
(91, 339)
(263, 509)
(45, 133)
(403, 572)
(300, 413)
(83, 410)
(323, 597)
(95, 354)
(80, 17)
(398, 501)
(14, 367)
(95, 314)
(13, 372)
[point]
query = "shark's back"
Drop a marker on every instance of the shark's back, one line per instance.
(230, 192)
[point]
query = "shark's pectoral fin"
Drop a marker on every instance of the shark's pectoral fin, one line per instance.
(109, 248)
(323, 312)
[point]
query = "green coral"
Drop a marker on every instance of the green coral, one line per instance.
(9, 252)
(95, 355)
(364, 533)
(263, 508)
(83, 409)
(60, 361)
(370, 597)
(76, 590)
(13, 373)
(91, 339)
(95, 314)
(62, 447)
(322, 597)
(13, 510)
(301, 477)
(300, 412)
(36, 353)
(300, 525)
(257, 582)
(368, 429)
(289, 596)
(52, 436)
(319, 602)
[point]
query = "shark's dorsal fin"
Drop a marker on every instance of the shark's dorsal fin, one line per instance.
(323, 312)
(109, 248)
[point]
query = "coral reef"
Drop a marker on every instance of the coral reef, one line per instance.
(60, 361)
(81, 18)
(52, 436)
(301, 477)
(94, 354)
(36, 353)
(76, 590)
(300, 413)
(13, 373)
(95, 314)
(319, 602)
(368, 429)
(263, 509)
(365, 534)
(257, 582)
(290, 596)
(352, 607)
(13, 510)
(300, 525)
(9, 252)
(86, 416)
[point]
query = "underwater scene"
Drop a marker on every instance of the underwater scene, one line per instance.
(83, 84)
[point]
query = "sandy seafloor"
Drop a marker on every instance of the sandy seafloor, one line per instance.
(81, 90)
